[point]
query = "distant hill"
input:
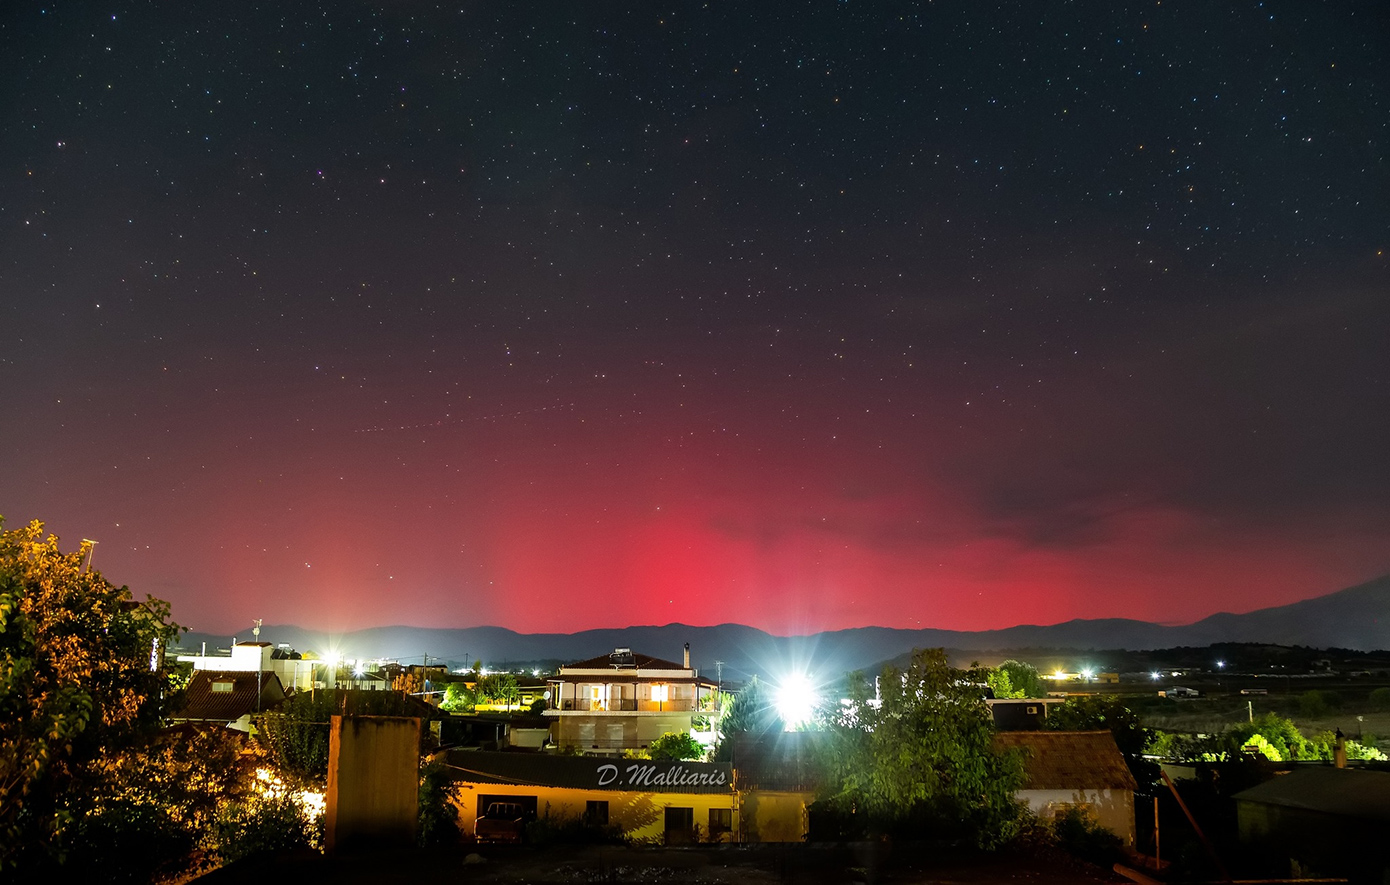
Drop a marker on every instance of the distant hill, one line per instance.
(1355, 618)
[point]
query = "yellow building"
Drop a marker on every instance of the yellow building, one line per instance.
(653, 801)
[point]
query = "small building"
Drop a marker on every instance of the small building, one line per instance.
(624, 701)
(1326, 820)
(294, 671)
(776, 776)
(228, 699)
(1075, 769)
(1020, 714)
(646, 800)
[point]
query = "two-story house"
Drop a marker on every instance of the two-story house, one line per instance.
(624, 701)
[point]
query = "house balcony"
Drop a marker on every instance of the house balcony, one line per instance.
(629, 705)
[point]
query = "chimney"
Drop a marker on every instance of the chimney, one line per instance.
(1339, 754)
(687, 656)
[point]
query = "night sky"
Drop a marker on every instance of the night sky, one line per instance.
(801, 315)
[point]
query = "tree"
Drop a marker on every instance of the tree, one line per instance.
(500, 688)
(1015, 679)
(459, 698)
(676, 745)
(749, 710)
(80, 683)
(914, 752)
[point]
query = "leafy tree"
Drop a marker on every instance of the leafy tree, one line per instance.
(748, 711)
(1274, 731)
(676, 745)
(1109, 714)
(80, 683)
(459, 698)
(500, 688)
(1015, 679)
(915, 752)
(438, 816)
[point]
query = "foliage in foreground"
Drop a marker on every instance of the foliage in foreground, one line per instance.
(438, 814)
(80, 686)
(914, 752)
(266, 823)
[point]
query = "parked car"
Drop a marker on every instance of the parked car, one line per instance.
(501, 822)
(1178, 691)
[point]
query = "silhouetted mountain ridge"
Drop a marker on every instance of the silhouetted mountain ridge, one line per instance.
(1354, 618)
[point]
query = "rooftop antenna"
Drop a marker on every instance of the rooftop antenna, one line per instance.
(91, 548)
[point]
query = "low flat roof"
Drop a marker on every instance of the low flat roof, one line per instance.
(1346, 792)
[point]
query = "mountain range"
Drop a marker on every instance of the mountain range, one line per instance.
(1355, 618)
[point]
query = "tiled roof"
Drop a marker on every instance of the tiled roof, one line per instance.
(203, 704)
(1346, 792)
(642, 662)
(588, 772)
(1069, 760)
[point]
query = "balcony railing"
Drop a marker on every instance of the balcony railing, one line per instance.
(617, 705)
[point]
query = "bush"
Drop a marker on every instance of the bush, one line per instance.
(1380, 699)
(1078, 832)
(266, 824)
(438, 815)
(559, 829)
(1318, 704)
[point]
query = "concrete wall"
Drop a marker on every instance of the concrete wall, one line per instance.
(774, 816)
(615, 733)
(373, 781)
(1113, 809)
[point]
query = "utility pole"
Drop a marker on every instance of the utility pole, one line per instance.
(260, 661)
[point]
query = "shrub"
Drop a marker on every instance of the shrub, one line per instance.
(1318, 704)
(1081, 835)
(266, 824)
(1380, 699)
(438, 815)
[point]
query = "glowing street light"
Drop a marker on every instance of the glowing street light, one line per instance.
(795, 700)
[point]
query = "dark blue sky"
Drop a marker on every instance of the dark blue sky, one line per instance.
(807, 316)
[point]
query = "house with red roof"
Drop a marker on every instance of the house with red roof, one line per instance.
(1075, 769)
(229, 698)
(625, 700)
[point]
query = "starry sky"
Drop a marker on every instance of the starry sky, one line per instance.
(801, 315)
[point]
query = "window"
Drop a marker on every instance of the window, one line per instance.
(596, 814)
(721, 820)
(223, 685)
(680, 826)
